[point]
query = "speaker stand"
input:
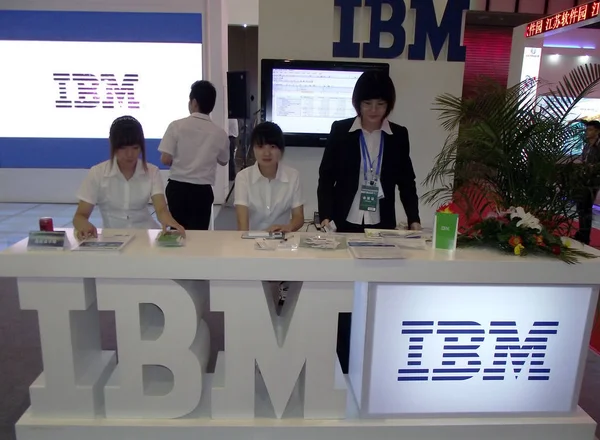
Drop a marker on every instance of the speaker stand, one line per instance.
(246, 146)
(230, 192)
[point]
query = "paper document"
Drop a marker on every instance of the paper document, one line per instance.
(375, 249)
(170, 239)
(105, 243)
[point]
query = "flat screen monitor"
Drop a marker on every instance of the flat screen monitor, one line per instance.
(305, 97)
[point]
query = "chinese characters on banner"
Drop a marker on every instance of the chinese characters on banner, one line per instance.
(562, 19)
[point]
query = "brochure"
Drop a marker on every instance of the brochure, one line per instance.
(253, 235)
(402, 238)
(170, 239)
(325, 242)
(369, 242)
(392, 233)
(105, 243)
(47, 240)
(263, 244)
(375, 249)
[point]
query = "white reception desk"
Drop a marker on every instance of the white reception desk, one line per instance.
(475, 345)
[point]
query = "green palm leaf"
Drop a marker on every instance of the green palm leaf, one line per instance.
(504, 149)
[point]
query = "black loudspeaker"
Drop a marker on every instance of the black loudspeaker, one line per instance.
(237, 95)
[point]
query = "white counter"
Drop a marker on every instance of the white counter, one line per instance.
(471, 345)
(225, 256)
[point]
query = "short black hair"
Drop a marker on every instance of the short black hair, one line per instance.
(374, 84)
(205, 95)
(126, 131)
(595, 124)
(268, 133)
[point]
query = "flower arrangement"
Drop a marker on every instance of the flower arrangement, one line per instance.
(505, 148)
(520, 233)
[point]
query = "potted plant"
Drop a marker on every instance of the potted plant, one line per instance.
(509, 164)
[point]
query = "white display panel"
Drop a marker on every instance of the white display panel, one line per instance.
(532, 58)
(63, 89)
(587, 108)
(309, 101)
(471, 349)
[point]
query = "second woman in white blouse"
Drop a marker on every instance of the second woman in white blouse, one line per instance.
(267, 194)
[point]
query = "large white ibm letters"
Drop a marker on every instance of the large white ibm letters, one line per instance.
(164, 347)
(75, 368)
(300, 344)
(163, 344)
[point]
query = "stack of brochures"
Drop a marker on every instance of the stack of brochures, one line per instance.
(324, 242)
(400, 237)
(107, 242)
(170, 239)
(375, 249)
(392, 233)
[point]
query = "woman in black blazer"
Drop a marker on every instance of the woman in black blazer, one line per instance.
(365, 159)
(355, 144)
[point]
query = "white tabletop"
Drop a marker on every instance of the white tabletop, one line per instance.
(224, 255)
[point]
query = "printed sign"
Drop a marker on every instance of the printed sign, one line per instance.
(445, 231)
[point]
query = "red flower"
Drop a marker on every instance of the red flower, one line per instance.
(556, 250)
(446, 209)
(515, 241)
(539, 240)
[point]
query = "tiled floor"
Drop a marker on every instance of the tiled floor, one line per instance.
(17, 219)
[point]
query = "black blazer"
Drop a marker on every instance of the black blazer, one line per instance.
(340, 169)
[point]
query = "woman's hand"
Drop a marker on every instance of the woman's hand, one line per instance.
(169, 222)
(415, 226)
(86, 230)
(325, 223)
(280, 228)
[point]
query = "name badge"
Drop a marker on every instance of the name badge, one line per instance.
(369, 197)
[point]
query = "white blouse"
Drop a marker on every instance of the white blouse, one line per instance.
(269, 202)
(123, 203)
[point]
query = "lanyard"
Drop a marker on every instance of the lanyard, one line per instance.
(367, 157)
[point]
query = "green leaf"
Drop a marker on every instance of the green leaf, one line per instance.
(503, 149)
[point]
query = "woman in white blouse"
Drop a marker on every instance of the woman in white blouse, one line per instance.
(123, 186)
(267, 194)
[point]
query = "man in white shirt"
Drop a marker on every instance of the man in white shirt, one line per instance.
(234, 133)
(193, 147)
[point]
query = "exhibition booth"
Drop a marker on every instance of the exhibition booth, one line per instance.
(467, 347)
(445, 345)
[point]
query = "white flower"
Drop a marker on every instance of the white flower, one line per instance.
(527, 220)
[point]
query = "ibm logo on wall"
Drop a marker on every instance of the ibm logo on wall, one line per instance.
(87, 90)
(462, 341)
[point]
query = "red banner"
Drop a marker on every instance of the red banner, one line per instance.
(574, 15)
